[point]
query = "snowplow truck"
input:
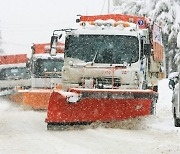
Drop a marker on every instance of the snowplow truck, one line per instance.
(13, 73)
(45, 75)
(111, 70)
(46, 69)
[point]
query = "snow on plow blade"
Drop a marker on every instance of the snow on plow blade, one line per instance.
(90, 105)
(35, 99)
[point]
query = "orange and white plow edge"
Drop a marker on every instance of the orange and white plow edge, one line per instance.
(90, 105)
(37, 99)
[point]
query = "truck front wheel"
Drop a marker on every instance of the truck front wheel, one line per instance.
(176, 120)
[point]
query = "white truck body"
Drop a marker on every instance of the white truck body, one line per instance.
(46, 70)
(133, 69)
(14, 75)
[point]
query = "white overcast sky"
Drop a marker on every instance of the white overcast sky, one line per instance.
(23, 22)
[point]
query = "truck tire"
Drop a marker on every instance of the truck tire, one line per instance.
(176, 120)
(155, 88)
(153, 107)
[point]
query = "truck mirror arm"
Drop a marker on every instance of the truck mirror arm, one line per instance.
(28, 64)
(53, 44)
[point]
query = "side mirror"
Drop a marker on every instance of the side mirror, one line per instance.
(171, 84)
(147, 49)
(173, 79)
(53, 45)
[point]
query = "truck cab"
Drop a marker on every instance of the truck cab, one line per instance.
(113, 52)
(46, 69)
(11, 77)
(14, 73)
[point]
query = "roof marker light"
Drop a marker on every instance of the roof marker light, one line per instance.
(126, 24)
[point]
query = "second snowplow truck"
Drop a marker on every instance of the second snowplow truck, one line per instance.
(45, 73)
(111, 70)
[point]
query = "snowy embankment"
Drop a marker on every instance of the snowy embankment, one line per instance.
(24, 131)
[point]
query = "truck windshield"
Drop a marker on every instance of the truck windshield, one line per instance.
(14, 73)
(48, 68)
(114, 49)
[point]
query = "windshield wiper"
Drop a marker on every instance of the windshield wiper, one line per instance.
(95, 57)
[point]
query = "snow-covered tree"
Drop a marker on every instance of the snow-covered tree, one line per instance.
(164, 12)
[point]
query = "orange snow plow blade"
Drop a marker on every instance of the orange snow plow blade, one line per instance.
(91, 105)
(35, 99)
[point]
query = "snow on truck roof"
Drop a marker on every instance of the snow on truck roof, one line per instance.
(47, 56)
(105, 30)
(141, 21)
(111, 24)
(107, 27)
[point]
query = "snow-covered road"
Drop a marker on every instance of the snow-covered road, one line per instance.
(24, 131)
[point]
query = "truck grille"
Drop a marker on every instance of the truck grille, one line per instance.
(109, 82)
